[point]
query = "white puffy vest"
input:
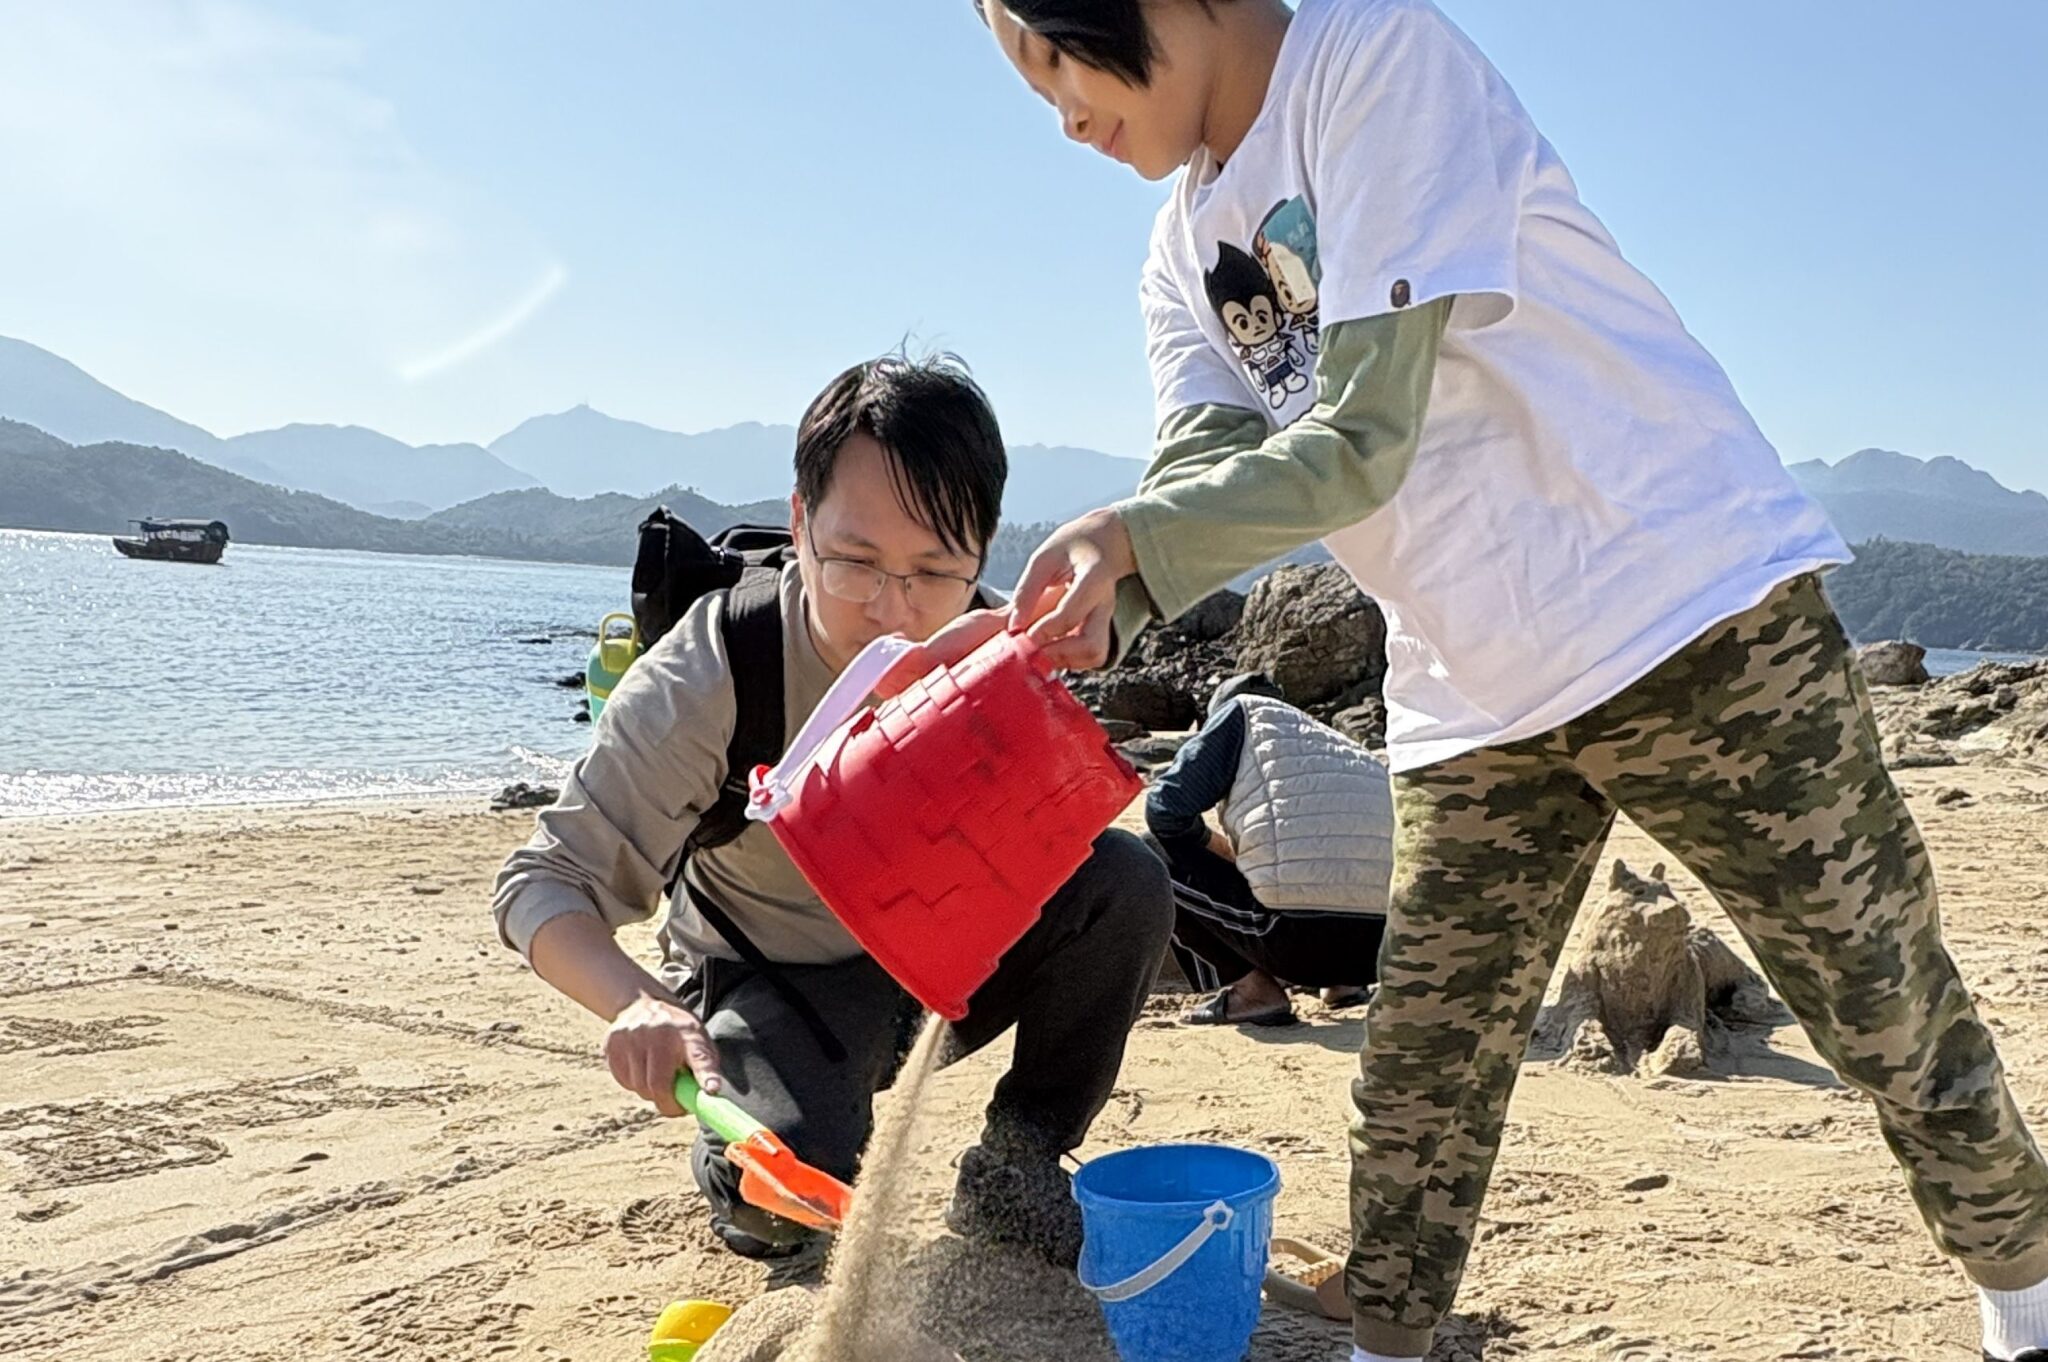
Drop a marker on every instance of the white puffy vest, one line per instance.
(1310, 814)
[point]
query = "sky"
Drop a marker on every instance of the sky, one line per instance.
(440, 219)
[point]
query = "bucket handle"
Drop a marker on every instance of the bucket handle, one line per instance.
(1214, 1221)
(773, 788)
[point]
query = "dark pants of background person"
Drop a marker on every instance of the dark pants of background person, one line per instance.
(1221, 932)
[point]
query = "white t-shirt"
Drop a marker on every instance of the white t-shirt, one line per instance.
(1589, 494)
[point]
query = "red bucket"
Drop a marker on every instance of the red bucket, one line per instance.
(937, 825)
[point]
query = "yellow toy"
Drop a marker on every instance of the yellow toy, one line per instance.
(609, 658)
(684, 1327)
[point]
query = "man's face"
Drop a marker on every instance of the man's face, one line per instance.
(862, 521)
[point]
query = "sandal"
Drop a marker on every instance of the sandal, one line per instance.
(1348, 997)
(1317, 1291)
(1216, 1012)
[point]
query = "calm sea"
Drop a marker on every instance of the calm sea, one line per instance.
(295, 674)
(283, 674)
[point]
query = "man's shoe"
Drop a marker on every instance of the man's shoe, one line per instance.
(2028, 1355)
(799, 1242)
(1018, 1199)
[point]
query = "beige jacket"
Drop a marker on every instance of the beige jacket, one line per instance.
(611, 842)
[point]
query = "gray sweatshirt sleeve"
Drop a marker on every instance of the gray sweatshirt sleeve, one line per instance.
(1222, 497)
(609, 845)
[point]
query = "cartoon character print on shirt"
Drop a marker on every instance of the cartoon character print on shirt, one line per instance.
(1249, 308)
(1266, 300)
(1286, 247)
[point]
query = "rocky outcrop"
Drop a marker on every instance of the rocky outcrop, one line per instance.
(523, 796)
(1996, 709)
(1309, 628)
(1893, 663)
(1316, 634)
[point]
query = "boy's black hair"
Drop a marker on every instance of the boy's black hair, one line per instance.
(1237, 278)
(946, 456)
(1110, 35)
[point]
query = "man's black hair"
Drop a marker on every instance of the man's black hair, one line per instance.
(1237, 278)
(1110, 35)
(945, 451)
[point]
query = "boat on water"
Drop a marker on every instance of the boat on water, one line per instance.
(177, 541)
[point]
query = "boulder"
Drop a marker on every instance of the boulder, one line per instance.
(1314, 632)
(1142, 700)
(1364, 723)
(1165, 680)
(1212, 618)
(524, 796)
(1893, 663)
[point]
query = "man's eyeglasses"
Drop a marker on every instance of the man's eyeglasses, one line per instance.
(928, 593)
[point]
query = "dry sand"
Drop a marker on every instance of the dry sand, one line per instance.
(272, 1091)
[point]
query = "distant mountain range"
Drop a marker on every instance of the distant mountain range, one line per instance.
(50, 484)
(343, 463)
(561, 486)
(1876, 493)
(577, 453)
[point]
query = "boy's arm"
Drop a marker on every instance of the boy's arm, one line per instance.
(1190, 439)
(1198, 779)
(1222, 496)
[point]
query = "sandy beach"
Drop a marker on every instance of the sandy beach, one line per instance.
(273, 1090)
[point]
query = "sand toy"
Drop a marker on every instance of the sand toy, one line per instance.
(772, 1178)
(684, 1328)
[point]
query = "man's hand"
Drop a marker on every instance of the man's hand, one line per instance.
(1219, 845)
(652, 1040)
(1067, 597)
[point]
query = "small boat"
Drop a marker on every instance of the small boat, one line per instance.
(177, 541)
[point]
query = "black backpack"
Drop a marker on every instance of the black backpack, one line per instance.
(674, 568)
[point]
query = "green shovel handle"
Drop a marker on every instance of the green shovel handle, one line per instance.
(716, 1113)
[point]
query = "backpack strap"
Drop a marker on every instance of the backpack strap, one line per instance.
(752, 632)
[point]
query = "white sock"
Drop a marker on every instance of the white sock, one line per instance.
(1361, 1355)
(2014, 1321)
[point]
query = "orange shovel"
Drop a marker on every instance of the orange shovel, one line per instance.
(772, 1178)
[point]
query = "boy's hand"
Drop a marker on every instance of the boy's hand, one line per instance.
(654, 1039)
(1067, 598)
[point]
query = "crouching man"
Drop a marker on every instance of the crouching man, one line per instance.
(762, 993)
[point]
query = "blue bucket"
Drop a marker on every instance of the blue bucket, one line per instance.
(1175, 1246)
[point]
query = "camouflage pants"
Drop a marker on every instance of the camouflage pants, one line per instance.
(1752, 757)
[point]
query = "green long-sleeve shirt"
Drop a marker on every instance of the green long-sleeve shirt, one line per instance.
(1223, 496)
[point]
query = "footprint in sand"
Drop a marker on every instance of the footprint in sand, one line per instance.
(453, 1312)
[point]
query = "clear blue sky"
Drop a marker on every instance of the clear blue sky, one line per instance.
(438, 219)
